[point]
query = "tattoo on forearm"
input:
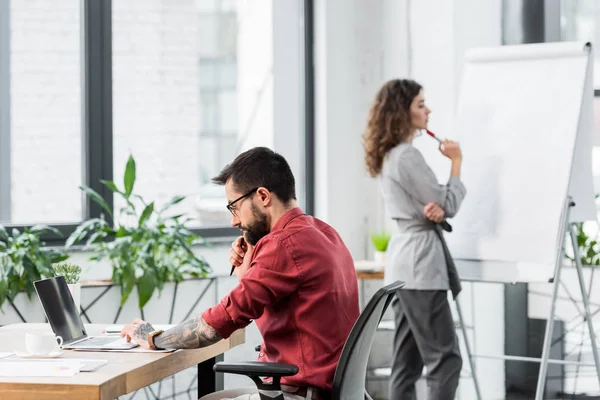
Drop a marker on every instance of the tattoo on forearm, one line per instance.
(190, 334)
(141, 331)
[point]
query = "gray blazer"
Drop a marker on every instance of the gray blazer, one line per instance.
(418, 254)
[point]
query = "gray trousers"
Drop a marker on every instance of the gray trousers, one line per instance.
(425, 336)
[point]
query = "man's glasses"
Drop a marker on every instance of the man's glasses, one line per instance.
(232, 210)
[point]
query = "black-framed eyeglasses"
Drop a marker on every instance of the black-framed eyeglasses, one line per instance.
(234, 211)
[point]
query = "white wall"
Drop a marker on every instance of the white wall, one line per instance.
(347, 73)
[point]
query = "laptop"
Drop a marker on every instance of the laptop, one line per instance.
(65, 321)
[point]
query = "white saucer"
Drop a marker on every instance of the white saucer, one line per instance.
(54, 354)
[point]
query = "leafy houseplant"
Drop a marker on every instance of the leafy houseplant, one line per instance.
(589, 247)
(25, 258)
(380, 242)
(71, 273)
(588, 240)
(147, 250)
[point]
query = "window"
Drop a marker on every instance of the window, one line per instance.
(183, 86)
(192, 88)
(40, 128)
(580, 21)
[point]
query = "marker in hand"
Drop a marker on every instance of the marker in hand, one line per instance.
(433, 136)
(242, 246)
(445, 225)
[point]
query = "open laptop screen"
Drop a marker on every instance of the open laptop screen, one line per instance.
(60, 308)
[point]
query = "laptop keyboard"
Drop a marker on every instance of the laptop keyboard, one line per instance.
(101, 341)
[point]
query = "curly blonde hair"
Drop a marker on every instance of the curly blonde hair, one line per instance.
(389, 121)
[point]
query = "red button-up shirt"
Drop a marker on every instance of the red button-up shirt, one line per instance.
(302, 291)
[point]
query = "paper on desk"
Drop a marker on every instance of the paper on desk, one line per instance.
(116, 328)
(5, 354)
(368, 266)
(134, 350)
(85, 364)
(33, 368)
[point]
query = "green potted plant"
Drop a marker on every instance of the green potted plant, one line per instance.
(588, 235)
(589, 247)
(72, 274)
(25, 258)
(148, 247)
(380, 242)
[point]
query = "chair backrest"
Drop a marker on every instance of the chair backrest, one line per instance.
(351, 371)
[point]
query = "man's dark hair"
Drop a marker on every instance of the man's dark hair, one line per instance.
(257, 167)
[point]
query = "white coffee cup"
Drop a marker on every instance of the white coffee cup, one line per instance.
(41, 344)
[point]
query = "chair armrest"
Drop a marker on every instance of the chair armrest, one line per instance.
(257, 368)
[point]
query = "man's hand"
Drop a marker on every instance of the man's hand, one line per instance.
(244, 266)
(434, 212)
(237, 252)
(138, 332)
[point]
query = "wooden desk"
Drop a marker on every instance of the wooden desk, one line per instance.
(124, 373)
(368, 269)
(366, 275)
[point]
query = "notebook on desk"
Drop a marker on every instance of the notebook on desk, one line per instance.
(63, 316)
(116, 328)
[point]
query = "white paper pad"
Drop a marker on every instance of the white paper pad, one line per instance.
(134, 350)
(6, 354)
(85, 364)
(116, 328)
(37, 368)
(368, 266)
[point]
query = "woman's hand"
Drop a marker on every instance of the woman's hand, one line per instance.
(451, 150)
(434, 212)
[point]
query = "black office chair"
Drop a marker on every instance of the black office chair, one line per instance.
(351, 372)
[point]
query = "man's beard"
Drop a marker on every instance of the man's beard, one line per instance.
(258, 228)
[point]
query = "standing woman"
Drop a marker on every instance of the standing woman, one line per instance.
(417, 254)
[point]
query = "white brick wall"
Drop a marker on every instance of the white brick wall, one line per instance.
(157, 110)
(45, 111)
(156, 96)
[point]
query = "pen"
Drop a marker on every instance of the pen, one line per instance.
(433, 135)
(242, 246)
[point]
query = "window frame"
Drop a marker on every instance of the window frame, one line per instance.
(97, 117)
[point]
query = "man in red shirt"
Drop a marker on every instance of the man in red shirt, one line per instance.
(296, 280)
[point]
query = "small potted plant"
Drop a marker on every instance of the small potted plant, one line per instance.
(71, 273)
(380, 242)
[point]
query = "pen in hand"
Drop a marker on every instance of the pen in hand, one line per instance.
(242, 246)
